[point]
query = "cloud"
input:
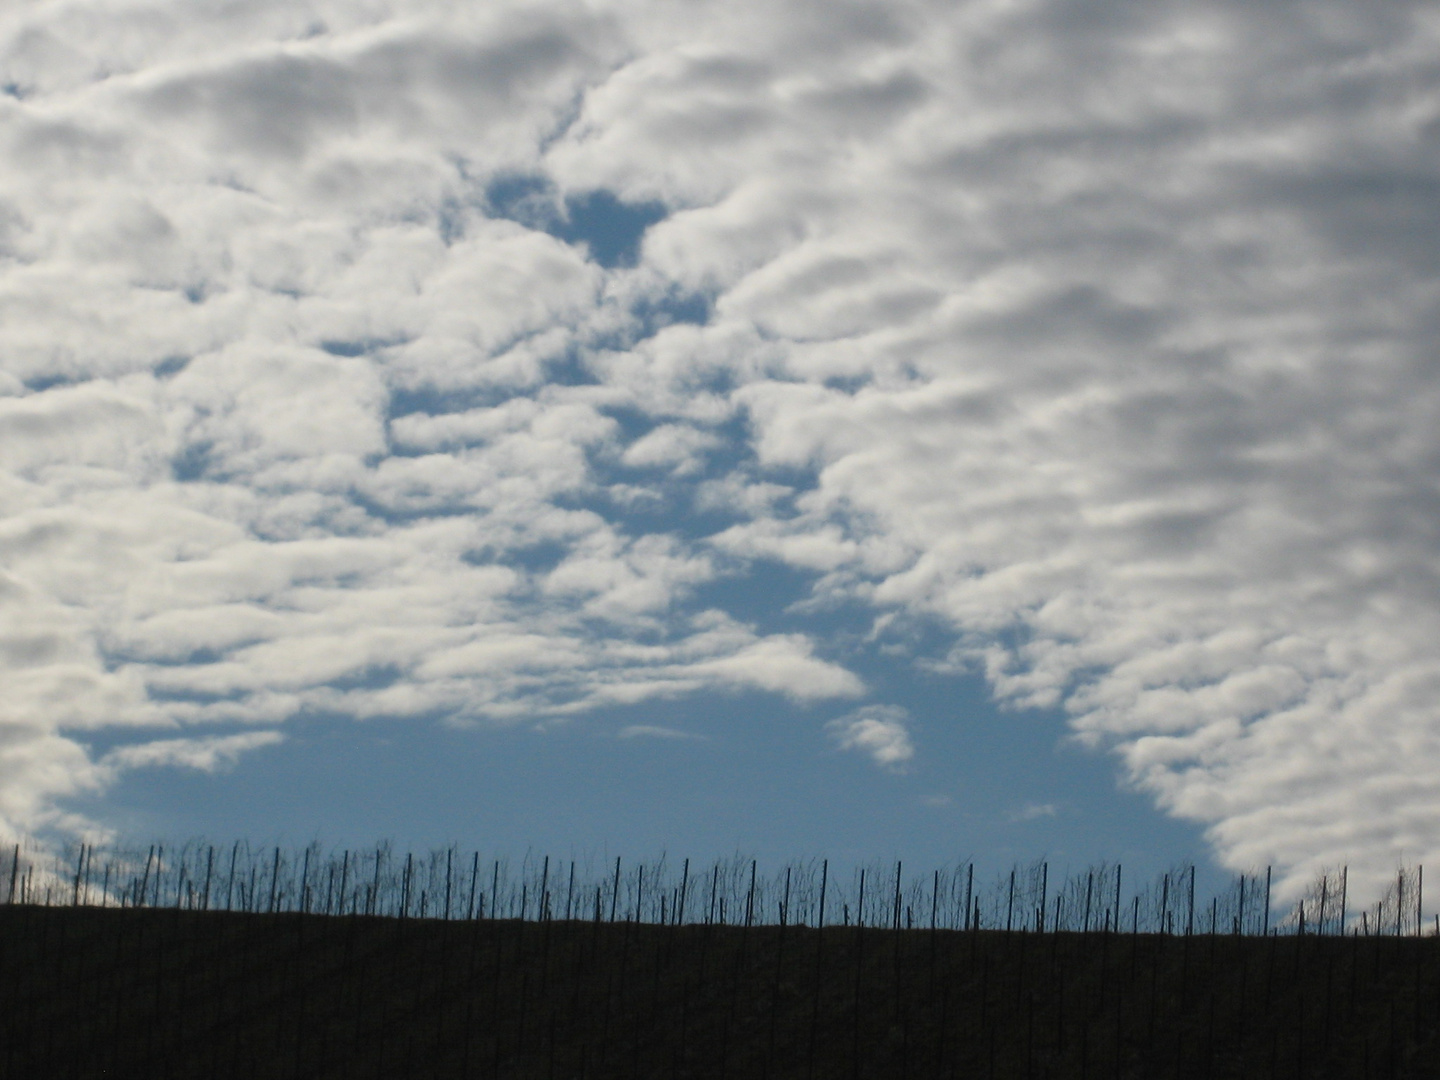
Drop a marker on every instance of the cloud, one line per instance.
(877, 730)
(206, 754)
(1034, 811)
(1099, 334)
(650, 731)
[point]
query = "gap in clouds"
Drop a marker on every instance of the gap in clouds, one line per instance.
(609, 229)
(760, 779)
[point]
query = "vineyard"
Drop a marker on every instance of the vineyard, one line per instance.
(270, 963)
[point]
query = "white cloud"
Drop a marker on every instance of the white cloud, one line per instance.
(206, 754)
(651, 731)
(1103, 329)
(877, 730)
(1034, 811)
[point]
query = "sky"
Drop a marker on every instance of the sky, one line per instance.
(997, 428)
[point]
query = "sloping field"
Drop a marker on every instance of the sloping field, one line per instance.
(92, 992)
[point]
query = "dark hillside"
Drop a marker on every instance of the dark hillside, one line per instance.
(91, 992)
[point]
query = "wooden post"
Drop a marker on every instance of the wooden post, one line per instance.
(449, 857)
(145, 880)
(824, 881)
(474, 881)
(1266, 928)
(230, 882)
(684, 892)
(405, 884)
(750, 896)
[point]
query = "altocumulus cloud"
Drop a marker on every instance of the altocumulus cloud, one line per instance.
(877, 730)
(1101, 334)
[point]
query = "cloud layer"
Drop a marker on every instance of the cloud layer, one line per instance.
(1100, 335)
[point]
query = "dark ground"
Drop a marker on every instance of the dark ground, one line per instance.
(88, 992)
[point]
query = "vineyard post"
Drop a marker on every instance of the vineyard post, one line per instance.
(495, 893)
(305, 885)
(405, 884)
(896, 918)
(1399, 899)
(750, 896)
(230, 882)
(1240, 913)
(1044, 895)
(344, 880)
(1266, 927)
(819, 945)
(1117, 897)
(1089, 887)
(1344, 895)
(615, 890)
(714, 884)
(785, 904)
(372, 902)
(145, 880)
(159, 873)
(824, 881)
(684, 891)
(1419, 898)
(545, 891)
(969, 891)
(474, 880)
(935, 900)
(1165, 903)
(1010, 903)
(1190, 917)
(570, 888)
(14, 873)
(209, 868)
(79, 868)
(274, 878)
(860, 903)
(449, 856)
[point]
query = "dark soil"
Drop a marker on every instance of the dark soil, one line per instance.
(88, 992)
